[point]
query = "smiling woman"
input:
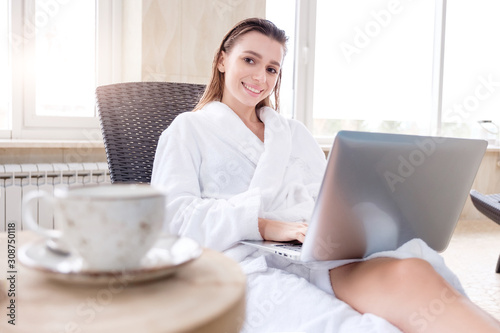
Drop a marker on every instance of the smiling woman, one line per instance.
(224, 185)
(251, 69)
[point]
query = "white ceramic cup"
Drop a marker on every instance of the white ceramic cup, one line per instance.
(111, 227)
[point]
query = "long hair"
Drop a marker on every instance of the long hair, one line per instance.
(215, 87)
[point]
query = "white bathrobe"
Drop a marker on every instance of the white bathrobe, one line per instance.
(219, 178)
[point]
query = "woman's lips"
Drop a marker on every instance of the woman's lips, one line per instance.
(251, 89)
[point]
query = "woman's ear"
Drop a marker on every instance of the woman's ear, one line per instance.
(220, 62)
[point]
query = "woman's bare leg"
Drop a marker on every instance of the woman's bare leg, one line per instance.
(410, 294)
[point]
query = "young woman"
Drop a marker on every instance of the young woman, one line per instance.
(236, 169)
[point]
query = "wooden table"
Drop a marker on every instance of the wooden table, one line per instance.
(206, 295)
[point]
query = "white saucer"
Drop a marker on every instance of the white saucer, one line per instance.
(166, 256)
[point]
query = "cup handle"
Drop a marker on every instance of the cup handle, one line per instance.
(30, 221)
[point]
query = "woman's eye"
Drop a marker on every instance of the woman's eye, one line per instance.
(272, 70)
(249, 60)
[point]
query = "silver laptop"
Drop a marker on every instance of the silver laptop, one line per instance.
(381, 190)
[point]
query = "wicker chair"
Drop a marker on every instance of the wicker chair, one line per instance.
(489, 205)
(133, 115)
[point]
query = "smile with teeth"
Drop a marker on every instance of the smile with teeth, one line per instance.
(252, 89)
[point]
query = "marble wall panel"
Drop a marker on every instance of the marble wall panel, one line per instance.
(179, 37)
(131, 60)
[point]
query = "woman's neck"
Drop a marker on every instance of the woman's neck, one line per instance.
(249, 117)
(247, 114)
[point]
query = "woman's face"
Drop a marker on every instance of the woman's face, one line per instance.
(250, 69)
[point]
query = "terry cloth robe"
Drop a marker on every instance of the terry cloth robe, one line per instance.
(220, 178)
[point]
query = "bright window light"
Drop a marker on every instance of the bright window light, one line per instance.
(373, 66)
(65, 59)
(4, 67)
(471, 85)
(282, 13)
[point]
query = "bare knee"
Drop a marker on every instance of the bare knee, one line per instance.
(393, 279)
(404, 275)
(408, 292)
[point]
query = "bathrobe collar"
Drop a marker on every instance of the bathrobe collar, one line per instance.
(271, 157)
(232, 130)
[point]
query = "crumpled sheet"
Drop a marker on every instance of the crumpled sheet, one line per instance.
(282, 300)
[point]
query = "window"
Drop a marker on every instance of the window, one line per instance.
(60, 51)
(361, 65)
(64, 42)
(471, 85)
(282, 13)
(375, 65)
(4, 66)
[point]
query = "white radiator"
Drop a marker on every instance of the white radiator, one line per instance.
(16, 180)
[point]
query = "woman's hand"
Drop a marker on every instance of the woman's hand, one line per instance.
(282, 231)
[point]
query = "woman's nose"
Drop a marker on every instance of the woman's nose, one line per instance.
(260, 75)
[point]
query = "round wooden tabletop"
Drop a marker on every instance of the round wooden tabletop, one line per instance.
(206, 295)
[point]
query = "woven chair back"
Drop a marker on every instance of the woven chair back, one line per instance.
(133, 115)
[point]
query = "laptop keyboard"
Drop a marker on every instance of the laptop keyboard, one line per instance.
(295, 247)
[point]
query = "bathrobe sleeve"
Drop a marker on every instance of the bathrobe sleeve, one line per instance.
(214, 223)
